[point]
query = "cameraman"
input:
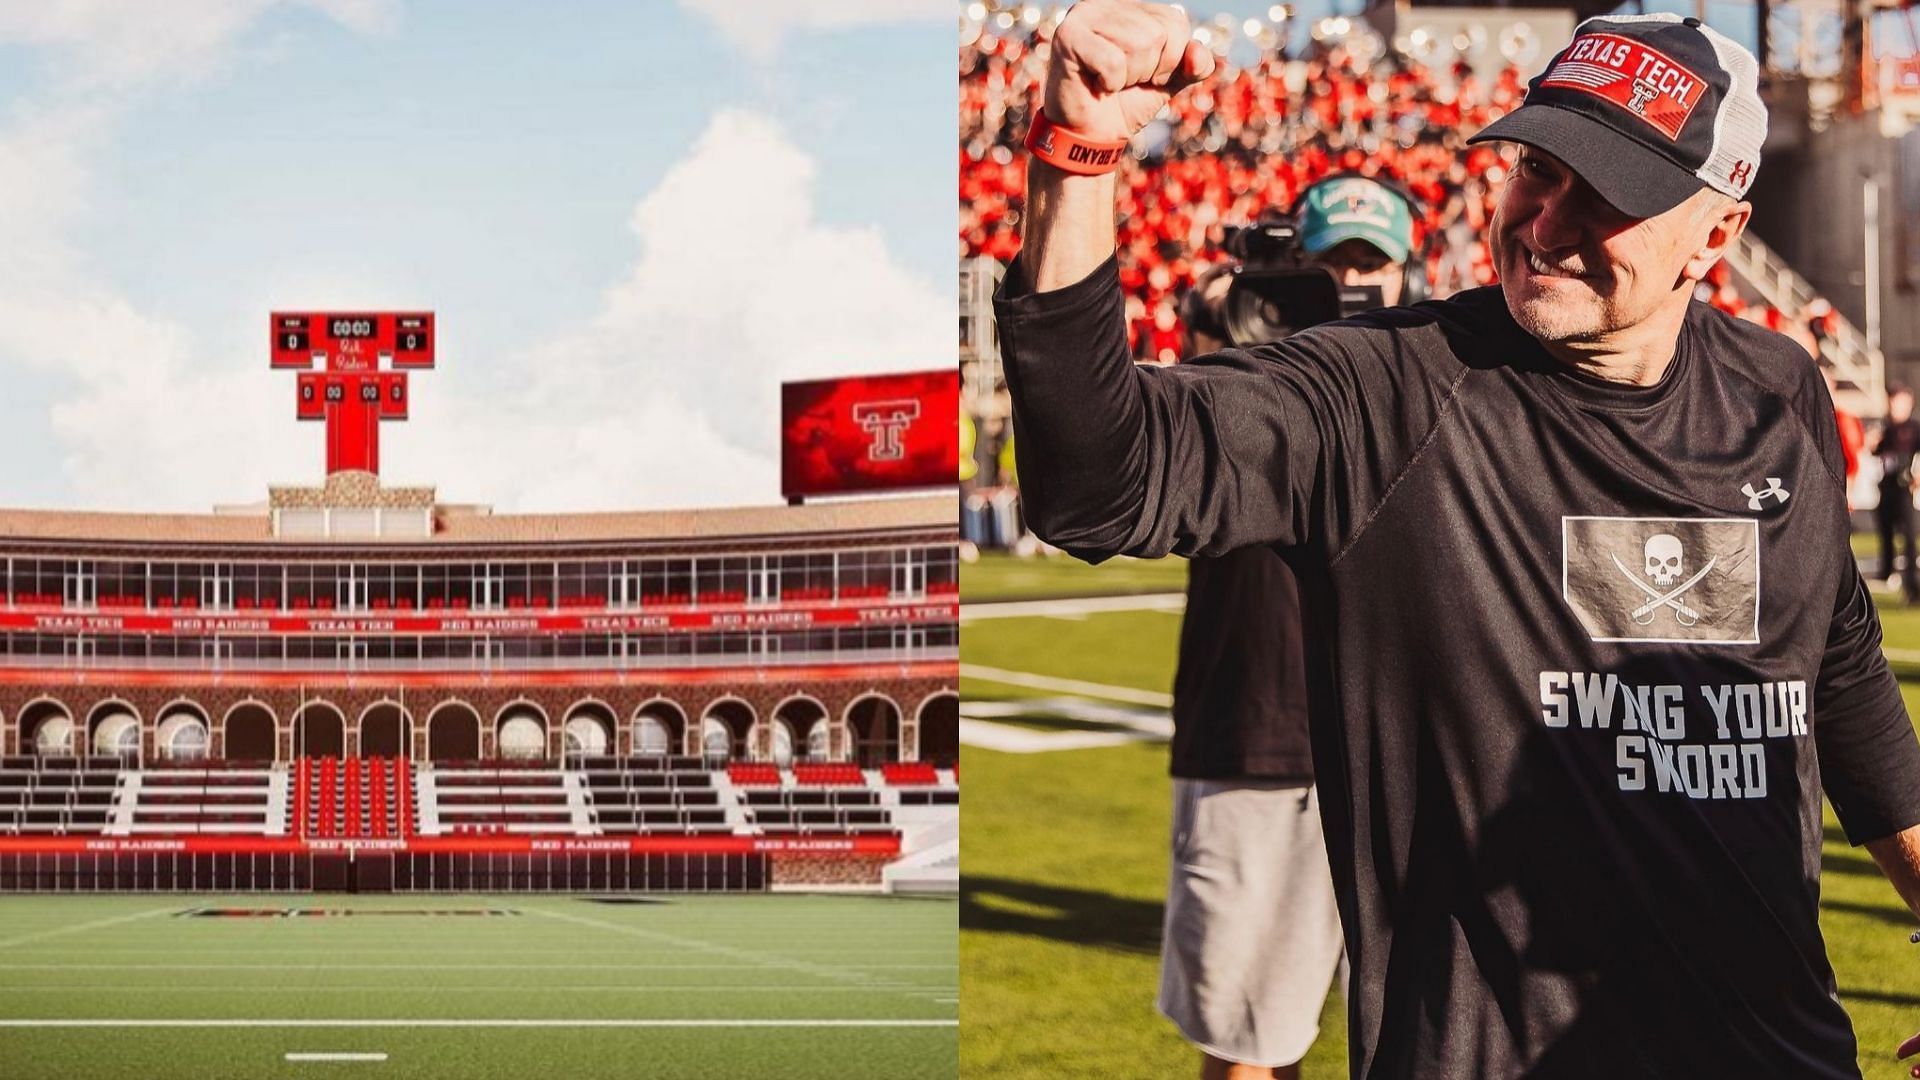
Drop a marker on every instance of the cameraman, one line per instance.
(1252, 938)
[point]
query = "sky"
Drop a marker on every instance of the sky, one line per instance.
(632, 220)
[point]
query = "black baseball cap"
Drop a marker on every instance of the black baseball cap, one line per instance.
(1648, 109)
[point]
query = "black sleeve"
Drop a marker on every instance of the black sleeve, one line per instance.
(1869, 756)
(1291, 443)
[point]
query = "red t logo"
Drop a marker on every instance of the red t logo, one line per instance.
(887, 422)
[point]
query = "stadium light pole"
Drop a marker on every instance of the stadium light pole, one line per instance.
(1870, 203)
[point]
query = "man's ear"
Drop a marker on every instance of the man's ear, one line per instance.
(1726, 220)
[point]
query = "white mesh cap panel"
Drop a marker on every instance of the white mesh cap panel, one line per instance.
(1740, 128)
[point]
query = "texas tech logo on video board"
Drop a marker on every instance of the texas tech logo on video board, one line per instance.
(869, 433)
(1693, 580)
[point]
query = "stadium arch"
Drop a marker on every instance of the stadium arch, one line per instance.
(385, 729)
(113, 728)
(181, 732)
(725, 725)
(872, 723)
(319, 730)
(522, 730)
(659, 727)
(34, 732)
(588, 729)
(937, 729)
(249, 731)
(809, 727)
(453, 731)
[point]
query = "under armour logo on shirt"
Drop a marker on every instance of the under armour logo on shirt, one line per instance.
(1757, 500)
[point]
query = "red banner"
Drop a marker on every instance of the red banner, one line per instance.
(871, 433)
(480, 623)
(880, 844)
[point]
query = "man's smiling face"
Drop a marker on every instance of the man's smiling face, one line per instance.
(1576, 269)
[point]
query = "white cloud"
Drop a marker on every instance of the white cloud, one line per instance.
(143, 418)
(115, 45)
(759, 26)
(668, 398)
(672, 396)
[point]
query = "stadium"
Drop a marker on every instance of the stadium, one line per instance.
(355, 688)
(1066, 669)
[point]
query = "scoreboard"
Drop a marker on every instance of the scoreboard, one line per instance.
(353, 374)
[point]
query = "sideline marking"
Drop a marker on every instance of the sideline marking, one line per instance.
(1066, 686)
(97, 924)
(435, 1022)
(316, 1056)
(1071, 608)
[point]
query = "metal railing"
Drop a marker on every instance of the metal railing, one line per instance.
(1860, 368)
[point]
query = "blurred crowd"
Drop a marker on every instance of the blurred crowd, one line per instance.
(1247, 140)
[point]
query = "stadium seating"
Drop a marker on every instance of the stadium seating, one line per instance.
(909, 774)
(654, 794)
(501, 797)
(57, 795)
(828, 775)
(753, 774)
(232, 798)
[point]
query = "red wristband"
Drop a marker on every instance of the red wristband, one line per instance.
(1069, 151)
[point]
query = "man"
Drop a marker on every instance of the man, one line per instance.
(1252, 936)
(1588, 639)
(1899, 440)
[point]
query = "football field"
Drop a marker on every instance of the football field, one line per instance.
(476, 987)
(1065, 845)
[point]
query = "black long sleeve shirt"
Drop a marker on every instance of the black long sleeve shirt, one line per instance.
(1240, 694)
(1582, 657)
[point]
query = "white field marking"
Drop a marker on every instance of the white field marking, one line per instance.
(1906, 656)
(1066, 686)
(1008, 739)
(97, 924)
(437, 1022)
(823, 971)
(978, 726)
(334, 1056)
(1078, 607)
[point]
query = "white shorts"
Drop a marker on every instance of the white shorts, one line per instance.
(1252, 940)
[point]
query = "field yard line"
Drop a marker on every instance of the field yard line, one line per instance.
(825, 971)
(1906, 656)
(334, 1056)
(389, 1022)
(1066, 686)
(97, 924)
(971, 610)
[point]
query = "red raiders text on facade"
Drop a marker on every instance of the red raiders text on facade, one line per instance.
(869, 433)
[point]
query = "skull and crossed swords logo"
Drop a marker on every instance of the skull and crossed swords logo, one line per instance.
(1665, 560)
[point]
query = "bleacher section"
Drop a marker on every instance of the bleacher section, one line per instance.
(496, 797)
(662, 794)
(57, 795)
(353, 798)
(238, 798)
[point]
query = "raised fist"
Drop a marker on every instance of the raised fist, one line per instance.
(1115, 63)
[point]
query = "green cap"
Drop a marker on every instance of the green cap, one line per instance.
(1354, 207)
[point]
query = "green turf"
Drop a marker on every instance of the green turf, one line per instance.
(702, 959)
(1003, 577)
(1060, 929)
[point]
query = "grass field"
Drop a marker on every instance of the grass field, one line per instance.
(694, 987)
(1060, 930)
